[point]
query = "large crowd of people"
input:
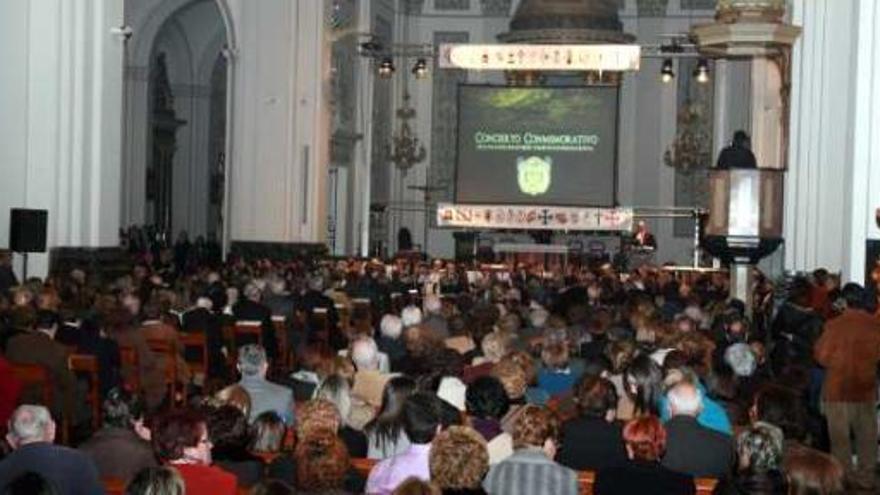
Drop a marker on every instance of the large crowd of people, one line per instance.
(414, 377)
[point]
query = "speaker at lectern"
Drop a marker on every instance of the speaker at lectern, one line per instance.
(745, 214)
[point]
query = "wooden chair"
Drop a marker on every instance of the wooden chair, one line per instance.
(586, 479)
(113, 486)
(37, 380)
(128, 357)
(363, 466)
(87, 365)
(361, 310)
(279, 325)
(247, 331)
(705, 486)
(320, 323)
(168, 351)
(198, 341)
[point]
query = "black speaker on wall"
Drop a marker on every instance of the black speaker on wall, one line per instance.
(27, 230)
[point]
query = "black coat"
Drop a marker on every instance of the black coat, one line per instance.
(591, 444)
(642, 478)
(697, 450)
(203, 321)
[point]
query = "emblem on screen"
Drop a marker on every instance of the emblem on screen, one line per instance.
(534, 174)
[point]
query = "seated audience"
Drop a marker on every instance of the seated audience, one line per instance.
(322, 464)
(593, 440)
(531, 469)
(712, 415)
(30, 483)
(370, 379)
(557, 376)
(264, 395)
(760, 462)
(390, 329)
(645, 441)
(459, 461)
(385, 434)
(38, 346)
(31, 433)
(353, 414)
(420, 423)
(234, 395)
(122, 447)
(692, 448)
(487, 403)
(180, 440)
(160, 480)
(228, 430)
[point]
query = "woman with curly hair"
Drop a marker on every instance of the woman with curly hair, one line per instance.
(760, 459)
(459, 461)
(322, 463)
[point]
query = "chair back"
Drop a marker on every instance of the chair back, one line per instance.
(167, 351)
(113, 486)
(128, 356)
(87, 365)
(363, 466)
(247, 332)
(279, 326)
(705, 486)
(586, 480)
(36, 382)
(197, 341)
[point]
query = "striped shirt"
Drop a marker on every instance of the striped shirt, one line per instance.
(529, 472)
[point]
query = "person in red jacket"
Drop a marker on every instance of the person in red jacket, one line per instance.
(10, 391)
(180, 440)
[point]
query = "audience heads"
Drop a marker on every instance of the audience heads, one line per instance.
(30, 483)
(162, 480)
(811, 472)
(420, 419)
(410, 316)
(525, 361)
(487, 399)
(228, 428)
(645, 439)
(416, 486)
(644, 380)
(252, 361)
(182, 435)
(458, 459)
(535, 427)
(267, 433)
(596, 397)
(234, 395)
(315, 415)
(760, 448)
(555, 355)
(778, 406)
(391, 326)
(316, 283)
(741, 360)
(512, 378)
(122, 409)
(253, 292)
(30, 424)
(336, 390)
(854, 295)
(495, 346)
(365, 354)
(321, 462)
(685, 400)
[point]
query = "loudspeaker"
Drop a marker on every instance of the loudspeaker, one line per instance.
(27, 230)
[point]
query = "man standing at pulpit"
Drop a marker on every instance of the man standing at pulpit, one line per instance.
(738, 154)
(643, 238)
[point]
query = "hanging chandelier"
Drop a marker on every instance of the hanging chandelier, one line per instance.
(406, 150)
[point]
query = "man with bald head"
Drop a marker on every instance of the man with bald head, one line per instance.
(31, 433)
(690, 447)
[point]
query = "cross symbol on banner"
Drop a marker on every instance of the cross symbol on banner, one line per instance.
(545, 216)
(598, 218)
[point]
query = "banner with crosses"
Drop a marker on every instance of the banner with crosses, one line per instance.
(533, 217)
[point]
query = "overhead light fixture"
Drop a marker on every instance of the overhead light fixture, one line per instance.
(667, 74)
(386, 68)
(420, 69)
(701, 73)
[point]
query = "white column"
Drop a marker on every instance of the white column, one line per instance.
(280, 123)
(60, 127)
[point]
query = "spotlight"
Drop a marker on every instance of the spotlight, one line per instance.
(701, 73)
(386, 68)
(420, 69)
(666, 73)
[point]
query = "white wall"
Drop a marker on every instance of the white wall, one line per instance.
(61, 101)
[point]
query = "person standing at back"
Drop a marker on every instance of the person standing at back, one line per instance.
(849, 350)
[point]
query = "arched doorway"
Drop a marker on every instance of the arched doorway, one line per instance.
(176, 132)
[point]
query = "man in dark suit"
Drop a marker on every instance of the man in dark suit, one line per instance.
(250, 309)
(738, 154)
(39, 347)
(313, 298)
(200, 319)
(31, 434)
(690, 447)
(594, 440)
